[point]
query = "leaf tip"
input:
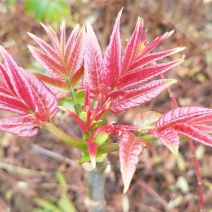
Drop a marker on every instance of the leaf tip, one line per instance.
(172, 81)
(119, 14)
(174, 150)
(126, 187)
(93, 161)
(171, 32)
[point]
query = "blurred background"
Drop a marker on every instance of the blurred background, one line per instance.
(41, 173)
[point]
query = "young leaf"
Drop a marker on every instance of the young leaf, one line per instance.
(187, 121)
(26, 96)
(118, 77)
(93, 63)
(132, 47)
(112, 58)
(146, 120)
(92, 150)
(125, 99)
(63, 61)
(142, 75)
(129, 150)
(169, 137)
(193, 133)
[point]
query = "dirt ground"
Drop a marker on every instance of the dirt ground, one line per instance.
(162, 182)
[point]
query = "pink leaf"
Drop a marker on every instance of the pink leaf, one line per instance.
(132, 47)
(125, 99)
(146, 73)
(168, 137)
(25, 95)
(204, 127)
(47, 48)
(82, 125)
(54, 38)
(150, 58)
(52, 81)
(92, 150)
(63, 37)
(75, 58)
(112, 58)
(13, 104)
(45, 101)
(64, 60)
(18, 83)
(48, 63)
(24, 125)
(155, 43)
(57, 86)
(129, 151)
(93, 62)
(71, 42)
(193, 133)
(187, 121)
(182, 114)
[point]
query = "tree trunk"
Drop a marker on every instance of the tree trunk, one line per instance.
(95, 179)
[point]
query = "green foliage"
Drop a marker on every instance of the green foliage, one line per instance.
(49, 10)
(68, 103)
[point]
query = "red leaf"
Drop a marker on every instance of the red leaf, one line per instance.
(76, 55)
(52, 81)
(168, 137)
(132, 47)
(204, 127)
(125, 99)
(63, 37)
(82, 125)
(129, 151)
(92, 150)
(187, 121)
(65, 60)
(48, 63)
(13, 104)
(25, 95)
(93, 62)
(71, 42)
(150, 58)
(194, 133)
(24, 125)
(144, 74)
(112, 58)
(76, 76)
(45, 101)
(155, 43)
(182, 114)
(123, 89)
(53, 36)
(47, 48)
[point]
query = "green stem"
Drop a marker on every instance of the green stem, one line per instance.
(113, 147)
(76, 104)
(107, 148)
(79, 144)
(148, 138)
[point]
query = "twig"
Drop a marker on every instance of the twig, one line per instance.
(20, 170)
(51, 154)
(156, 196)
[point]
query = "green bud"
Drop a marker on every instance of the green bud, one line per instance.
(83, 116)
(101, 138)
